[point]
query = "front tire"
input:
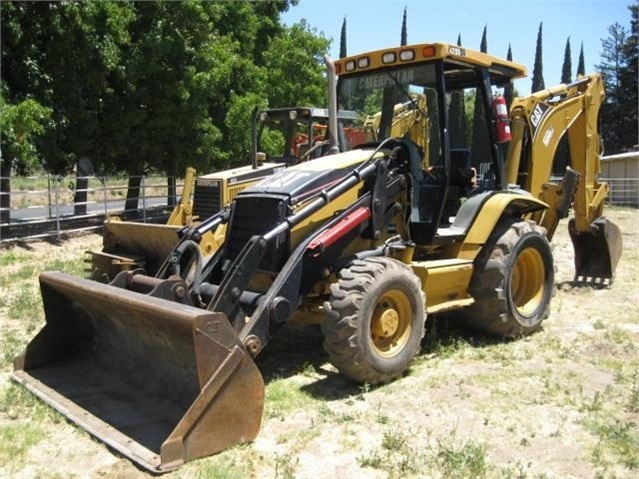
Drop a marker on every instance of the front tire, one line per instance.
(375, 320)
(513, 283)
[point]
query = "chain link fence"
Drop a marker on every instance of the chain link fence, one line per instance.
(52, 206)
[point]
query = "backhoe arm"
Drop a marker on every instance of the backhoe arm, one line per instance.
(539, 122)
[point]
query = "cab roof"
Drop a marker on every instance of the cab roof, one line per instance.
(501, 71)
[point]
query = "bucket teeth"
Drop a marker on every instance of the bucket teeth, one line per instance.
(597, 252)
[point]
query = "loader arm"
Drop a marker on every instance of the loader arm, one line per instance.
(282, 299)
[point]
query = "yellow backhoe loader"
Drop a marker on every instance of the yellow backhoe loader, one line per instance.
(408, 119)
(365, 243)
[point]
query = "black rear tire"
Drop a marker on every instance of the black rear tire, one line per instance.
(374, 320)
(513, 283)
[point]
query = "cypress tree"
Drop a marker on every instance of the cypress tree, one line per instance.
(404, 37)
(566, 69)
(509, 90)
(484, 42)
(562, 155)
(481, 147)
(457, 116)
(538, 76)
(434, 142)
(342, 40)
(581, 66)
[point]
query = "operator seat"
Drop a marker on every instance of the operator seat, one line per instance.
(462, 181)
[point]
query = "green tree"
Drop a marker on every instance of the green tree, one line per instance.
(566, 68)
(296, 71)
(62, 55)
(434, 140)
(562, 154)
(619, 70)
(342, 40)
(581, 66)
(457, 116)
(295, 76)
(538, 76)
(509, 89)
(139, 86)
(404, 34)
(628, 83)
(611, 66)
(21, 125)
(481, 147)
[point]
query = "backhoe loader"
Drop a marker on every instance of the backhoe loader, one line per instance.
(129, 245)
(364, 243)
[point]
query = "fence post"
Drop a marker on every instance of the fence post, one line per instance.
(104, 194)
(143, 199)
(49, 193)
(57, 206)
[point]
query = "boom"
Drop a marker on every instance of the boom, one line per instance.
(539, 122)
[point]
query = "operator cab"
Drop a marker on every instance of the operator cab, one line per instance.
(296, 134)
(438, 97)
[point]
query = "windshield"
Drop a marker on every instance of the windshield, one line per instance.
(394, 103)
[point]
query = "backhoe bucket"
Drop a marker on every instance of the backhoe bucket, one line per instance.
(597, 251)
(156, 380)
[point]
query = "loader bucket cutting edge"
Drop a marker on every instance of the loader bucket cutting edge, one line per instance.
(597, 251)
(158, 381)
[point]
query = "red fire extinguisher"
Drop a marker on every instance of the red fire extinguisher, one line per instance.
(502, 123)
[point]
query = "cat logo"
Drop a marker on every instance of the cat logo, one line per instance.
(537, 115)
(535, 118)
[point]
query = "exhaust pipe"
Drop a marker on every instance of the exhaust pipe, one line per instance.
(332, 106)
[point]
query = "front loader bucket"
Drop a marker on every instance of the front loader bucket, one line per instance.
(597, 251)
(129, 245)
(158, 381)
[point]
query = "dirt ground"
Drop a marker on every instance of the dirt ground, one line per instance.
(562, 403)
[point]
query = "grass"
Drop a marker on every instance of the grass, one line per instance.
(284, 396)
(618, 442)
(399, 455)
(562, 402)
(15, 441)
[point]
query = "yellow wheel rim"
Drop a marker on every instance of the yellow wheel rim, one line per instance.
(527, 282)
(391, 323)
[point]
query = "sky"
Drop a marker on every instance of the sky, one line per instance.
(376, 24)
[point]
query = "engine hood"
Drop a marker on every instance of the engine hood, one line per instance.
(307, 179)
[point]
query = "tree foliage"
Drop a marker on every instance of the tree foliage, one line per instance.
(342, 40)
(404, 34)
(457, 116)
(509, 89)
(538, 75)
(618, 67)
(155, 85)
(62, 56)
(581, 66)
(21, 125)
(480, 145)
(566, 68)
